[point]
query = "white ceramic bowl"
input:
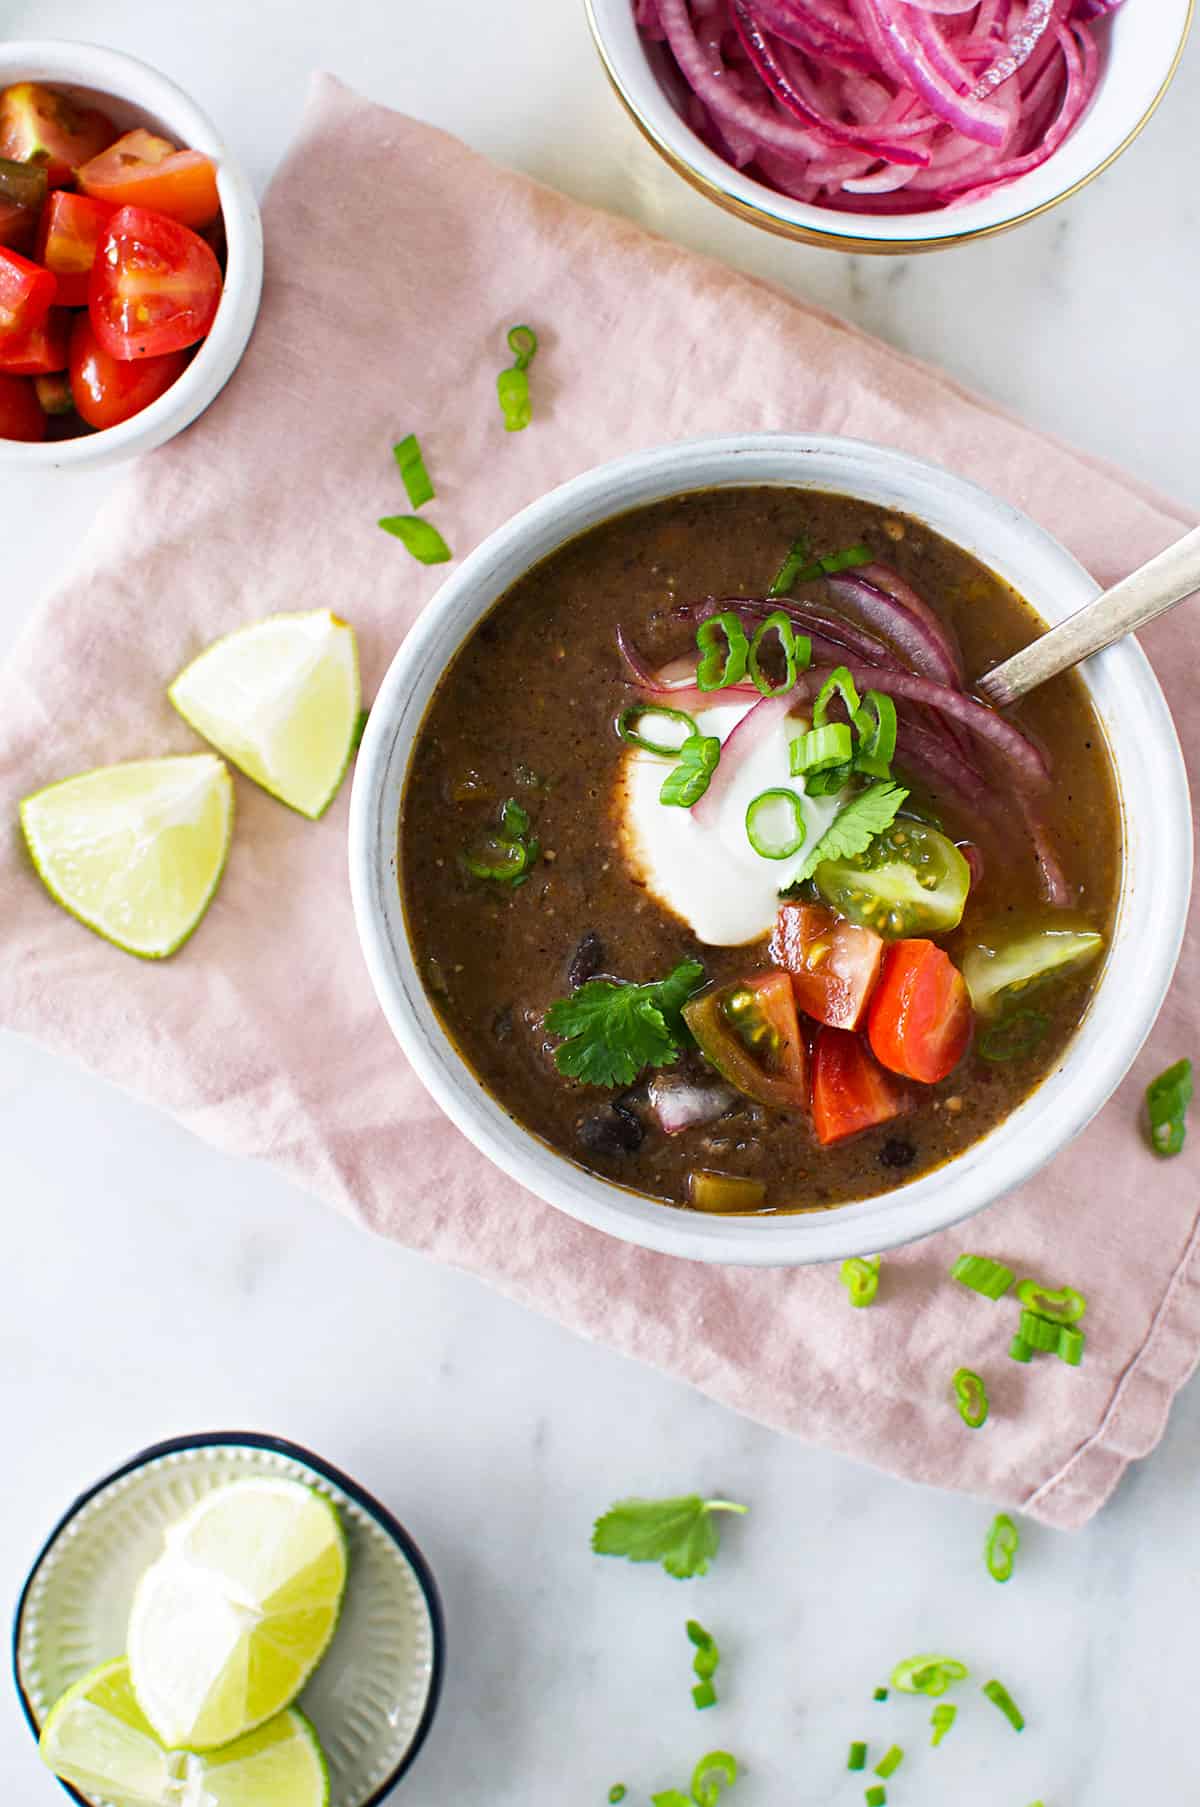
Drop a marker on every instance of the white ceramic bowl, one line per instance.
(1154, 891)
(1145, 42)
(136, 95)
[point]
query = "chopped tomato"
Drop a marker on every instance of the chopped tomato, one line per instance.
(141, 170)
(18, 226)
(749, 1032)
(68, 239)
(850, 1090)
(920, 1020)
(155, 286)
(40, 351)
(26, 293)
(107, 390)
(54, 393)
(20, 416)
(43, 125)
(834, 964)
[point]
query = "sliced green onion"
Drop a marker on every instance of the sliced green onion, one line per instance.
(496, 857)
(860, 1277)
(858, 1757)
(704, 1664)
(941, 1720)
(1167, 1100)
(704, 1695)
(412, 468)
(845, 560)
(1003, 1542)
(724, 651)
(715, 1770)
(421, 538)
(513, 819)
(983, 1275)
(629, 730)
(1039, 1332)
(671, 1797)
(876, 724)
(877, 1796)
(928, 1674)
(617, 1792)
(790, 569)
(1070, 1345)
(523, 343)
(699, 758)
(1020, 1350)
(839, 683)
(796, 649)
(828, 784)
(890, 1762)
(782, 843)
(512, 391)
(881, 1694)
(1014, 1037)
(972, 1398)
(822, 748)
(1000, 1697)
(1065, 1306)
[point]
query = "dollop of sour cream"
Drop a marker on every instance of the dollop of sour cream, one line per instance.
(707, 873)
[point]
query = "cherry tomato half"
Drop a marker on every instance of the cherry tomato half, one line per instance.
(834, 964)
(920, 1021)
(155, 286)
(26, 293)
(39, 351)
(69, 234)
(142, 170)
(42, 125)
(749, 1032)
(20, 415)
(851, 1092)
(108, 390)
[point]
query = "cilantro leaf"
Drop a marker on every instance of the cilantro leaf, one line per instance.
(613, 1031)
(680, 1533)
(855, 827)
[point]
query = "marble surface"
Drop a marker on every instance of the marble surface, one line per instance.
(151, 1287)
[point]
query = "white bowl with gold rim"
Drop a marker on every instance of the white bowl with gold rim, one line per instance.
(1144, 41)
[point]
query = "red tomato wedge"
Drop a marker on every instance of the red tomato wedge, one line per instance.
(850, 1091)
(69, 234)
(155, 286)
(750, 1033)
(920, 1021)
(20, 415)
(26, 293)
(107, 390)
(42, 125)
(37, 352)
(834, 964)
(140, 170)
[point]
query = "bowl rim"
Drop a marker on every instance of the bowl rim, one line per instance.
(388, 1523)
(1119, 680)
(144, 89)
(788, 218)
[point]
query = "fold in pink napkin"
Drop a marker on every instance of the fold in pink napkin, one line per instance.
(384, 311)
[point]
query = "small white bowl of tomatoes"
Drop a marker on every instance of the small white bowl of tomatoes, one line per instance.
(130, 257)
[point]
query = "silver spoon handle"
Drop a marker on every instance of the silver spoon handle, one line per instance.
(1136, 600)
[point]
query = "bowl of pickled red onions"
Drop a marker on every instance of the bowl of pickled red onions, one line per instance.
(890, 124)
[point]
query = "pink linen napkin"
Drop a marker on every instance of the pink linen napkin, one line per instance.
(384, 311)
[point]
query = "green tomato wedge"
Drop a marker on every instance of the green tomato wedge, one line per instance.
(998, 972)
(911, 880)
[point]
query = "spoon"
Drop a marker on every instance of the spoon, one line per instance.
(1138, 599)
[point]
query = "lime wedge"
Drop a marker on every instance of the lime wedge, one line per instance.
(97, 1737)
(135, 851)
(281, 699)
(230, 1622)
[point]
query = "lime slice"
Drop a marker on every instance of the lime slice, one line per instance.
(230, 1622)
(97, 1737)
(135, 851)
(281, 700)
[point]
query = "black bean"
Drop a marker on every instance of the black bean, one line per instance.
(586, 961)
(897, 1153)
(610, 1131)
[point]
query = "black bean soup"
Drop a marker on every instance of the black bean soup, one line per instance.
(907, 990)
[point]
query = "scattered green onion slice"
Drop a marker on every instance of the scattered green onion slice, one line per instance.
(877, 1796)
(942, 1719)
(1003, 1542)
(421, 538)
(617, 1792)
(838, 683)
(512, 385)
(777, 845)
(1039, 1332)
(629, 730)
(1167, 1100)
(822, 748)
(724, 651)
(876, 723)
(858, 1757)
(796, 649)
(983, 1275)
(1014, 1037)
(715, 1770)
(495, 856)
(1065, 1306)
(790, 569)
(972, 1398)
(704, 1695)
(523, 343)
(931, 1675)
(860, 1277)
(1020, 1350)
(699, 758)
(1070, 1345)
(890, 1762)
(514, 820)
(881, 1694)
(704, 1664)
(1000, 1697)
(845, 560)
(412, 468)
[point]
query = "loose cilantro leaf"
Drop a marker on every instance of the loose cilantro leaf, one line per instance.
(854, 827)
(613, 1031)
(681, 1533)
